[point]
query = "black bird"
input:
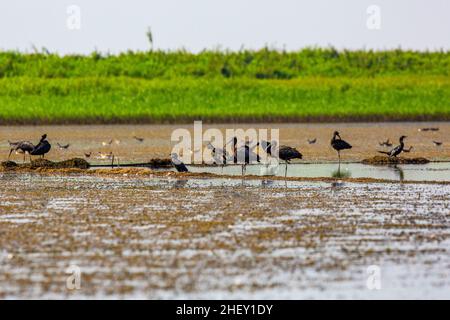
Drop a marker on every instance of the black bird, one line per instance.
(286, 154)
(66, 146)
(429, 129)
(177, 163)
(339, 144)
(138, 138)
(267, 146)
(21, 147)
(88, 155)
(219, 155)
(246, 154)
(42, 147)
(386, 143)
(312, 141)
(397, 150)
(437, 143)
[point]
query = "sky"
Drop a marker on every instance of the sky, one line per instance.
(82, 26)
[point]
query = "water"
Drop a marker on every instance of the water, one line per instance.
(140, 237)
(436, 171)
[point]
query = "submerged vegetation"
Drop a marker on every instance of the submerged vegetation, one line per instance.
(264, 85)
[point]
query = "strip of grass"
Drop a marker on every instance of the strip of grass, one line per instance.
(125, 99)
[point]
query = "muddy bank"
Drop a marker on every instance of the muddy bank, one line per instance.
(75, 163)
(383, 160)
(151, 173)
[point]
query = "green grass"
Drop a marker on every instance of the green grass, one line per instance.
(264, 85)
(97, 100)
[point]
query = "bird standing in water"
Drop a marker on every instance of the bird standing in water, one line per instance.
(397, 150)
(339, 144)
(177, 163)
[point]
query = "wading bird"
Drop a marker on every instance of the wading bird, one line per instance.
(437, 143)
(21, 147)
(312, 141)
(386, 143)
(138, 139)
(219, 155)
(397, 150)
(108, 156)
(66, 146)
(429, 129)
(42, 147)
(339, 144)
(177, 163)
(287, 154)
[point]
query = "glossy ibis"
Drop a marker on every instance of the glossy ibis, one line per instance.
(437, 143)
(339, 144)
(42, 147)
(177, 163)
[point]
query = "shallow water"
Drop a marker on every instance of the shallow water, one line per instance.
(221, 238)
(437, 171)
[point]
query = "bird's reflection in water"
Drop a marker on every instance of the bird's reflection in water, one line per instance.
(180, 184)
(399, 172)
(266, 183)
(341, 173)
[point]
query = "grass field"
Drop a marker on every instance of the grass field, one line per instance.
(312, 84)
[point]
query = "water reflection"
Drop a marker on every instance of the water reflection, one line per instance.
(341, 173)
(398, 172)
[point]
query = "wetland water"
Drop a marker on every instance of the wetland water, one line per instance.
(144, 237)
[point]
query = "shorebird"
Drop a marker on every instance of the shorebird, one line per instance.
(88, 155)
(42, 147)
(219, 155)
(312, 141)
(138, 138)
(437, 143)
(386, 143)
(21, 147)
(339, 144)
(66, 146)
(107, 143)
(287, 154)
(177, 163)
(397, 150)
(108, 156)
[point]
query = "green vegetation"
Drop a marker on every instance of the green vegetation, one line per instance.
(259, 85)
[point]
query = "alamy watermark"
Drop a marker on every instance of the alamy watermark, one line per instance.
(373, 21)
(73, 281)
(211, 146)
(73, 21)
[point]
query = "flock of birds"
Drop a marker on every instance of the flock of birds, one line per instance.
(244, 154)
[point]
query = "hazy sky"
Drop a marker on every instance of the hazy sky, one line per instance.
(114, 25)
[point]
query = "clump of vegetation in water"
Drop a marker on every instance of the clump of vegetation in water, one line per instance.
(76, 163)
(381, 160)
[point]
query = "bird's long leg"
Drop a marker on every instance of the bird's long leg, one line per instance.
(112, 162)
(339, 156)
(9, 155)
(285, 171)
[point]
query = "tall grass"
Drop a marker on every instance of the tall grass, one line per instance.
(122, 99)
(263, 85)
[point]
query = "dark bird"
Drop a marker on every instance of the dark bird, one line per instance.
(245, 155)
(219, 155)
(339, 144)
(88, 155)
(408, 150)
(107, 143)
(386, 143)
(66, 146)
(267, 146)
(287, 154)
(138, 138)
(20, 147)
(437, 143)
(397, 150)
(42, 147)
(312, 141)
(177, 163)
